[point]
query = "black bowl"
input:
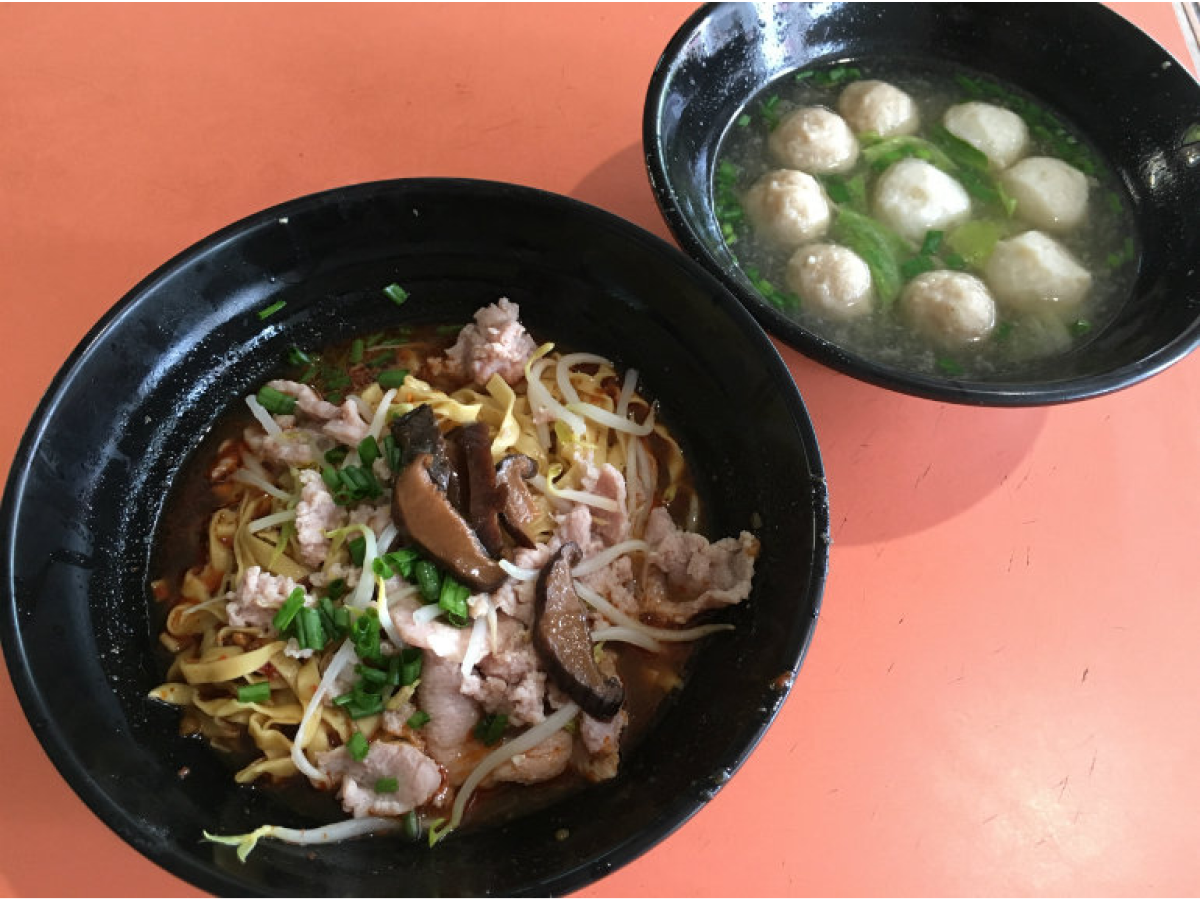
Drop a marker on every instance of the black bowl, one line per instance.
(1125, 92)
(86, 492)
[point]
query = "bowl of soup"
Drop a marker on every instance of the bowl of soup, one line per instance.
(429, 541)
(976, 203)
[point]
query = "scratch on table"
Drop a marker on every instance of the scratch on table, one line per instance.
(1062, 786)
(921, 477)
(1085, 675)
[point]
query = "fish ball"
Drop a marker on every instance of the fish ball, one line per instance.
(998, 133)
(831, 280)
(913, 197)
(1032, 270)
(951, 308)
(787, 207)
(1050, 194)
(815, 140)
(878, 107)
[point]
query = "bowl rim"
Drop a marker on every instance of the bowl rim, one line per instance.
(998, 393)
(33, 702)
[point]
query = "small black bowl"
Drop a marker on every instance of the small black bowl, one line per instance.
(86, 493)
(1129, 96)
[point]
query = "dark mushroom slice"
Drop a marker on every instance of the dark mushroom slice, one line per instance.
(560, 633)
(482, 502)
(519, 512)
(425, 513)
(416, 433)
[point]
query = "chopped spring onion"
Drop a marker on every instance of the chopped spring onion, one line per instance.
(365, 633)
(429, 580)
(490, 729)
(337, 455)
(358, 550)
(287, 515)
(356, 351)
(500, 755)
(387, 786)
(287, 612)
(603, 558)
(325, 834)
(368, 450)
(357, 746)
(395, 293)
(264, 418)
(409, 667)
(259, 692)
(344, 657)
(392, 378)
(269, 311)
(452, 599)
(418, 720)
(275, 402)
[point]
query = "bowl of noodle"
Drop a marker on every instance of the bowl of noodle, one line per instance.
(426, 518)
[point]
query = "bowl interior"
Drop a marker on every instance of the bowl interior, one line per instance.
(86, 492)
(1127, 94)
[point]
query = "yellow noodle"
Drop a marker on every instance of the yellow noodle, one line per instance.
(228, 663)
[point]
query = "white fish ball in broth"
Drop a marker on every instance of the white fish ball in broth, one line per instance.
(950, 308)
(1033, 270)
(998, 133)
(831, 280)
(913, 197)
(787, 207)
(815, 140)
(879, 107)
(1051, 194)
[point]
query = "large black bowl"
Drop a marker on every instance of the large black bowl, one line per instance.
(1130, 97)
(87, 487)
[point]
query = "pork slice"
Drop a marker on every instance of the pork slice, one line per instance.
(597, 754)
(541, 762)
(495, 343)
(510, 678)
(442, 640)
(316, 513)
(607, 481)
(307, 400)
(452, 718)
(258, 597)
(293, 447)
(688, 575)
(417, 778)
(348, 427)
(516, 598)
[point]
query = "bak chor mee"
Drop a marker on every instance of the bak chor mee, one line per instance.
(441, 568)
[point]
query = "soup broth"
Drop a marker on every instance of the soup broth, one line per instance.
(1103, 243)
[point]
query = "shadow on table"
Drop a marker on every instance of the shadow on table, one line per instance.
(897, 465)
(620, 185)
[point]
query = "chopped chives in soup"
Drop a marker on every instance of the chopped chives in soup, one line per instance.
(924, 217)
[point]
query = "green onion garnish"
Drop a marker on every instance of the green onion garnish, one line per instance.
(259, 692)
(337, 455)
(276, 402)
(358, 550)
(288, 611)
(298, 357)
(392, 378)
(428, 580)
(387, 786)
(272, 309)
(452, 598)
(418, 720)
(490, 729)
(368, 450)
(410, 665)
(395, 293)
(357, 746)
(311, 633)
(356, 351)
(412, 825)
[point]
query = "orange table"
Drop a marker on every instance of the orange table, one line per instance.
(1001, 696)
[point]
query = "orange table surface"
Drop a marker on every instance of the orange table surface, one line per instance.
(1002, 693)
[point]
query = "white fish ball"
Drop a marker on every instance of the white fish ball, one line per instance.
(831, 280)
(998, 133)
(1051, 194)
(951, 308)
(878, 107)
(815, 140)
(1034, 270)
(787, 207)
(913, 197)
